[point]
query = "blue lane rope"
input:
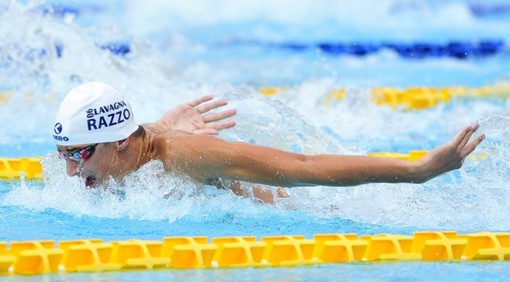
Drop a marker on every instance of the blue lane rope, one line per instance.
(483, 10)
(117, 48)
(408, 50)
(59, 10)
(412, 50)
(417, 50)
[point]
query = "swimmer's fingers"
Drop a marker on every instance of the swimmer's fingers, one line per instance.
(212, 117)
(471, 146)
(464, 136)
(461, 136)
(200, 100)
(204, 108)
(220, 125)
(214, 127)
(461, 140)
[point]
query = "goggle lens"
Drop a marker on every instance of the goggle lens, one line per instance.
(79, 154)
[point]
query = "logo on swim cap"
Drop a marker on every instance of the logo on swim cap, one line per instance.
(107, 115)
(57, 128)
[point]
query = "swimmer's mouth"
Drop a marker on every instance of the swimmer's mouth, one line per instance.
(90, 182)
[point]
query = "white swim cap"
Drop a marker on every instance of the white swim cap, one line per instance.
(93, 112)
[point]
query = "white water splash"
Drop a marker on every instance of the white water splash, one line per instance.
(473, 198)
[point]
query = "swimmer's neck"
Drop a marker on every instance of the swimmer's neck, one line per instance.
(144, 147)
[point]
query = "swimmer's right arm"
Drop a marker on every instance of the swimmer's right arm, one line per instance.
(196, 117)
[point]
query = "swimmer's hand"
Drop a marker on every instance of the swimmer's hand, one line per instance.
(448, 156)
(195, 117)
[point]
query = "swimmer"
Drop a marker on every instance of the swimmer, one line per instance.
(97, 135)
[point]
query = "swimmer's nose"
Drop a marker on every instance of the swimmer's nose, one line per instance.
(72, 167)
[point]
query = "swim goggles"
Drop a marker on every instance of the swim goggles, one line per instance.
(79, 155)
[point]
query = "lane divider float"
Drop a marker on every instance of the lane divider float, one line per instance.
(197, 252)
(29, 168)
(412, 98)
(417, 98)
(407, 50)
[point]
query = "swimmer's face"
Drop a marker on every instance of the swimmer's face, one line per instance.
(91, 162)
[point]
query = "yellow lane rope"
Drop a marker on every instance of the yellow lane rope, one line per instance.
(29, 98)
(413, 155)
(94, 255)
(13, 168)
(414, 98)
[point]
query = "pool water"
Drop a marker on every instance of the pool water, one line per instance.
(173, 52)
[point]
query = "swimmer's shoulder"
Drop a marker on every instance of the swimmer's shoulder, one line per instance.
(180, 141)
(155, 128)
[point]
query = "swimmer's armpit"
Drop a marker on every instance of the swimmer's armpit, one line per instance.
(257, 192)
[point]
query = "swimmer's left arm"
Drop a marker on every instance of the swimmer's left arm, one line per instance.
(195, 117)
(204, 157)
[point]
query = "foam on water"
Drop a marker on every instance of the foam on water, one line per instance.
(473, 198)
(147, 194)
(298, 119)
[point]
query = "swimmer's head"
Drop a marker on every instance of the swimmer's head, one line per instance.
(93, 113)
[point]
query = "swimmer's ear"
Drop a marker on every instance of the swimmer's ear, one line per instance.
(122, 144)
